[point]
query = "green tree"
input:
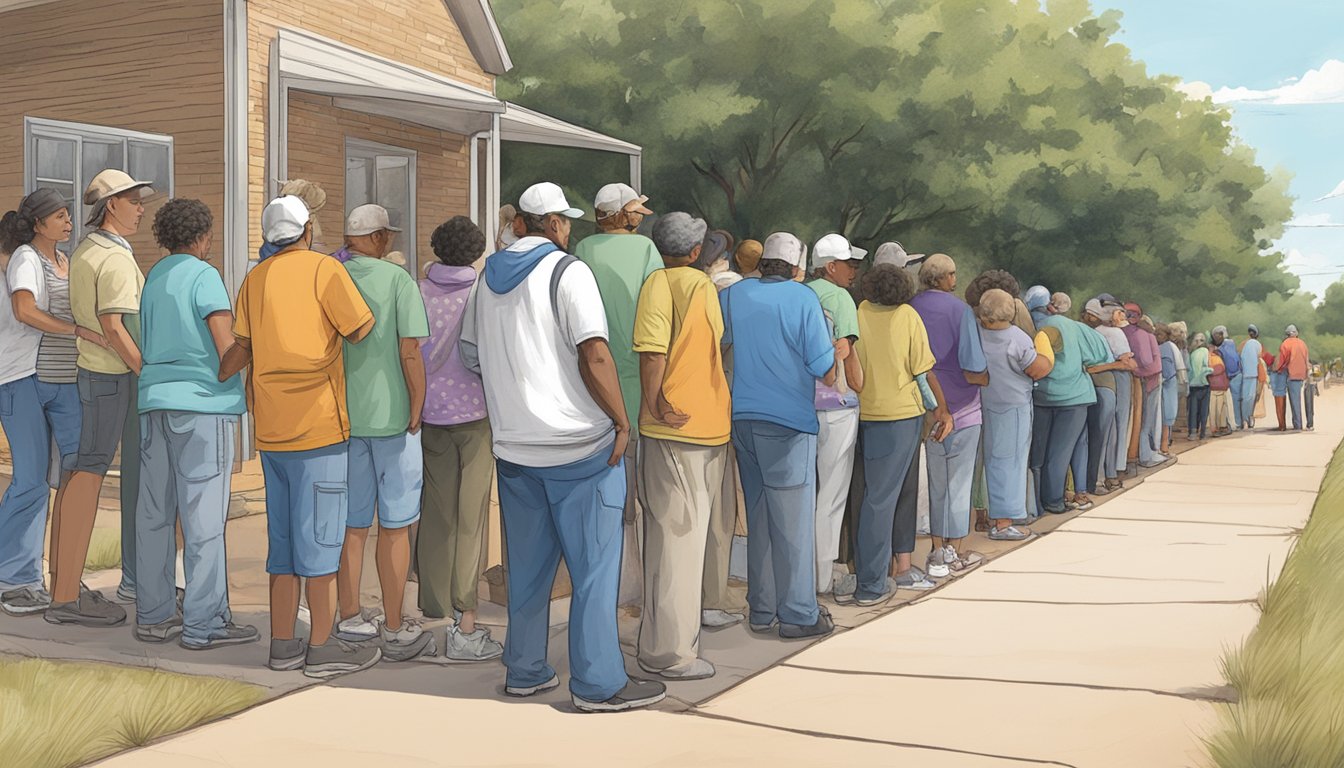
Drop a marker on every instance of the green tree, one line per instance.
(1330, 314)
(989, 129)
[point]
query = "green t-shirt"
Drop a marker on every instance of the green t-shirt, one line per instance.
(839, 305)
(621, 264)
(375, 386)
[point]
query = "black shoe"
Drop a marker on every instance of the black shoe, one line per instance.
(823, 627)
(635, 694)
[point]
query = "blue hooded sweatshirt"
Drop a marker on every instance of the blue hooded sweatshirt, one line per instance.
(506, 270)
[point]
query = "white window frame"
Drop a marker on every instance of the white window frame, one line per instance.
(61, 130)
(410, 246)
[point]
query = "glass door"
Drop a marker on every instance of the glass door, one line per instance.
(384, 175)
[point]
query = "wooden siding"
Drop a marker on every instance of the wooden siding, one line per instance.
(155, 66)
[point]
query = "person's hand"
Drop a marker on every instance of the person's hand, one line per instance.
(618, 449)
(97, 338)
(1131, 364)
(942, 425)
(841, 350)
(416, 420)
(664, 413)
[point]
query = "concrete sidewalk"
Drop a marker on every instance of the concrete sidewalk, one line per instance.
(1097, 645)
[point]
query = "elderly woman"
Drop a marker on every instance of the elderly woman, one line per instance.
(893, 350)
(1171, 375)
(1197, 406)
(961, 370)
(1062, 397)
(1107, 420)
(39, 399)
(1013, 365)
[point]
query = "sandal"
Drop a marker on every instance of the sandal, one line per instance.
(1115, 484)
(981, 520)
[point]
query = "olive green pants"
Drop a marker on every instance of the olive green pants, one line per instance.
(454, 505)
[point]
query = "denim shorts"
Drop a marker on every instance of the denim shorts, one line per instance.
(306, 509)
(386, 475)
(106, 398)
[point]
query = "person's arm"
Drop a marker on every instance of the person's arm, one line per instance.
(980, 379)
(853, 368)
(119, 339)
(27, 312)
(970, 352)
(597, 368)
(413, 368)
(1041, 367)
(652, 370)
(238, 357)
(220, 325)
(941, 415)
(361, 332)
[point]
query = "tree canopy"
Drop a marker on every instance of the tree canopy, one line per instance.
(998, 132)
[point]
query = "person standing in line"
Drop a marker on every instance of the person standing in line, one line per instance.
(385, 386)
(188, 427)
(1197, 418)
(1014, 365)
(621, 260)
(1219, 394)
(836, 267)
(536, 330)
(777, 331)
(455, 503)
(1148, 380)
(1223, 407)
(961, 371)
(747, 258)
(105, 286)
(1249, 355)
(39, 396)
(1227, 349)
(1278, 381)
(293, 315)
(1295, 360)
(684, 424)
(1171, 374)
(1109, 379)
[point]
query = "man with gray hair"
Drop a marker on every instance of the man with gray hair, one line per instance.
(685, 421)
(1294, 360)
(780, 348)
(1251, 350)
(1227, 349)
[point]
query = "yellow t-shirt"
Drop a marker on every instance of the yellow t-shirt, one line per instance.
(893, 349)
(678, 315)
(104, 280)
(1045, 347)
(296, 308)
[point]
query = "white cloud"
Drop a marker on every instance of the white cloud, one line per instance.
(1196, 90)
(1337, 192)
(1317, 86)
(1313, 220)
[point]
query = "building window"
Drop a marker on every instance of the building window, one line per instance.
(66, 156)
(377, 173)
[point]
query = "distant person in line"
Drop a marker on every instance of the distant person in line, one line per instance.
(188, 427)
(747, 258)
(293, 315)
(1197, 418)
(1250, 353)
(315, 198)
(1148, 378)
(506, 237)
(1220, 385)
(1227, 349)
(536, 331)
(1278, 381)
(1173, 375)
(1112, 328)
(1110, 380)
(685, 424)
(1294, 358)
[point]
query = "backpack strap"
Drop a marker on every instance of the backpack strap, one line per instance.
(559, 271)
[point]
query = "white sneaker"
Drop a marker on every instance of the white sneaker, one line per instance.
(844, 589)
(477, 646)
(938, 567)
(407, 642)
(717, 619)
(358, 628)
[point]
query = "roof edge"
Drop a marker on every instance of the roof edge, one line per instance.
(476, 20)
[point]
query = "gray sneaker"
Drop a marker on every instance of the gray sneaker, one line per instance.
(914, 580)
(823, 626)
(231, 634)
(337, 657)
(1011, 533)
(717, 619)
(25, 601)
(159, 633)
(287, 655)
(358, 628)
(477, 646)
(761, 629)
(882, 598)
(532, 690)
(90, 610)
(406, 643)
(843, 594)
(635, 694)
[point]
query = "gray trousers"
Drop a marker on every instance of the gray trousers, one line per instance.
(951, 473)
(186, 467)
(1150, 439)
(1124, 384)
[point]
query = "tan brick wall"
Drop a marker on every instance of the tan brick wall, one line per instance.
(417, 32)
(155, 66)
(317, 134)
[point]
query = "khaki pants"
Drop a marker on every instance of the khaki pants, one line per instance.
(1220, 410)
(723, 523)
(454, 506)
(679, 485)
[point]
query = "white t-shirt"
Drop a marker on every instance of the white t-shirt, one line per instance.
(19, 342)
(1116, 339)
(541, 413)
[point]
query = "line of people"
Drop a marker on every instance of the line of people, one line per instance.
(656, 375)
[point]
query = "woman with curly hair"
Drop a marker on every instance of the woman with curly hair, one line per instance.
(893, 351)
(457, 440)
(39, 399)
(188, 427)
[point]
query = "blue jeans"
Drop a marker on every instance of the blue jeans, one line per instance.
(307, 505)
(778, 468)
(1100, 432)
(1171, 400)
(386, 476)
(1054, 436)
(1197, 410)
(1250, 387)
(889, 448)
(1078, 462)
(1124, 390)
(186, 466)
(1295, 401)
(575, 511)
(951, 474)
(1239, 414)
(1007, 442)
(33, 414)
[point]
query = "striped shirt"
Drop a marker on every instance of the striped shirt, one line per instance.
(56, 355)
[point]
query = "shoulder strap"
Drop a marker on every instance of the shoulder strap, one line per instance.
(559, 271)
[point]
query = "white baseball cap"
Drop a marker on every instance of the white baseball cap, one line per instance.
(546, 197)
(615, 198)
(835, 247)
(785, 247)
(367, 219)
(283, 219)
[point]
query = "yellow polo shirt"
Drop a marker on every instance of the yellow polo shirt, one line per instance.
(296, 308)
(104, 280)
(893, 349)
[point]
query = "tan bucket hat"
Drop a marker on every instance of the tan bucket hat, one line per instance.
(112, 182)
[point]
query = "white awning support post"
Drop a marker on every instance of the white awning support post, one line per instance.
(637, 172)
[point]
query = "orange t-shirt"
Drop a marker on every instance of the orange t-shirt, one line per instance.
(1293, 357)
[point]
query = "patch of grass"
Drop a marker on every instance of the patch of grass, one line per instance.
(104, 550)
(60, 713)
(1290, 671)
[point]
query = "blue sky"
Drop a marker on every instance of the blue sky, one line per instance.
(1279, 66)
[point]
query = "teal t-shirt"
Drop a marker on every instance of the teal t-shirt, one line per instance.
(840, 306)
(375, 386)
(621, 264)
(181, 364)
(1076, 348)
